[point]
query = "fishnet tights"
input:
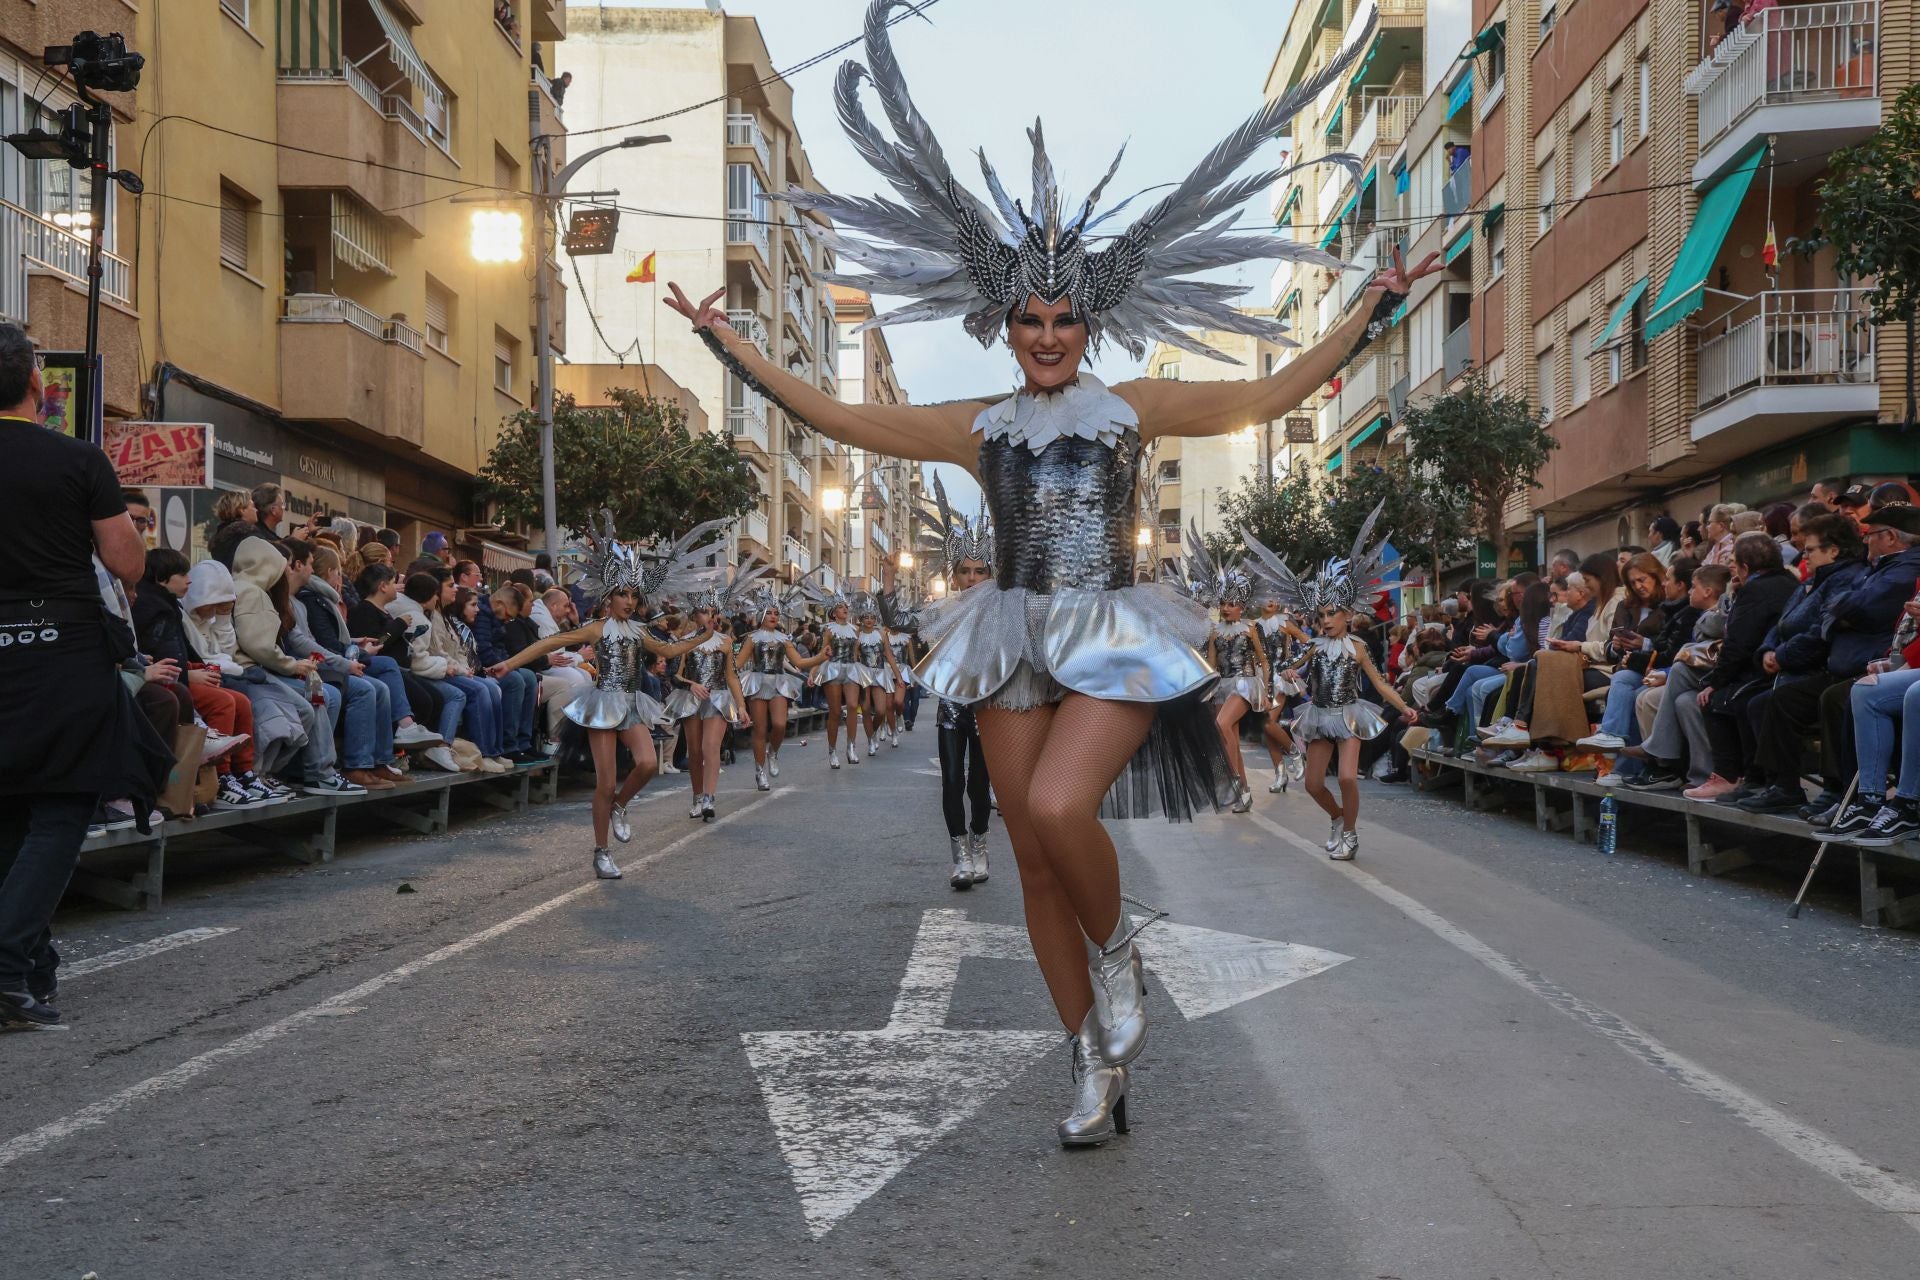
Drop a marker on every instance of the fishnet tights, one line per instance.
(1051, 767)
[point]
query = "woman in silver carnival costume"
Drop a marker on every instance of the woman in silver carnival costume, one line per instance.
(967, 553)
(707, 697)
(883, 676)
(1335, 717)
(901, 623)
(1234, 651)
(1283, 642)
(614, 709)
(841, 676)
(762, 659)
(1075, 674)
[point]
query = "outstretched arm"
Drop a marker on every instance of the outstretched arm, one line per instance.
(675, 649)
(926, 433)
(540, 648)
(1385, 690)
(806, 664)
(1172, 408)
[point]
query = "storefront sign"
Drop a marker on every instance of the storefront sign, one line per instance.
(1300, 430)
(175, 455)
(60, 386)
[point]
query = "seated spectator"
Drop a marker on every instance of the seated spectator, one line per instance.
(1883, 699)
(327, 613)
(1717, 533)
(262, 614)
(366, 715)
(512, 716)
(1777, 521)
(235, 520)
(430, 657)
(519, 690)
(1798, 655)
(1657, 721)
(280, 715)
(1639, 628)
(1663, 538)
(1594, 597)
(370, 621)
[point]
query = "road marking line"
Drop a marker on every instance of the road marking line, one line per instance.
(1797, 1138)
(98, 1113)
(139, 951)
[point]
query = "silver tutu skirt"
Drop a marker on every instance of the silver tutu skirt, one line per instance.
(1355, 720)
(880, 678)
(1249, 687)
(1285, 686)
(682, 705)
(1017, 649)
(595, 708)
(764, 686)
(842, 673)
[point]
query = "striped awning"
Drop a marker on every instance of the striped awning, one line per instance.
(400, 48)
(309, 35)
(359, 235)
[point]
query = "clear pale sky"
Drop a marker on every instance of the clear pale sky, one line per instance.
(1167, 77)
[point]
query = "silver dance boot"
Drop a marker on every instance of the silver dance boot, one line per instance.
(1349, 847)
(1099, 1092)
(603, 866)
(1242, 797)
(760, 778)
(1333, 836)
(1297, 766)
(1118, 985)
(977, 850)
(622, 829)
(1279, 783)
(962, 875)
(773, 764)
(833, 758)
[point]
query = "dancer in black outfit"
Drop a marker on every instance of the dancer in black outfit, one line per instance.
(968, 549)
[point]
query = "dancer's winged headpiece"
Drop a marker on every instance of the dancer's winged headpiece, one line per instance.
(741, 589)
(610, 565)
(954, 255)
(1341, 582)
(811, 588)
(961, 538)
(1211, 582)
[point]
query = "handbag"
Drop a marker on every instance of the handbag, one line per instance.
(176, 799)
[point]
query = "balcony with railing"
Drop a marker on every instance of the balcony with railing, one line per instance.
(384, 133)
(1456, 352)
(750, 326)
(754, 528)
(1806, 76)
(1456, 194)
(31, 243)
(748, 227)
(796, 554)
(341, 363)
(1385, 124)
(743, 130)
(1784, 362)
(798, 476)
(748, 422)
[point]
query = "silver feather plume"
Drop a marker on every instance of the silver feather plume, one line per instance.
(951, 254)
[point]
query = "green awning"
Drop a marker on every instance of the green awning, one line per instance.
(1366, 432)
(1620, 313)
(1333, 463)
(1293, 202)
(1399, 314)
(1339, 220)
(1495, 216)
(1291, 300)
(1487, 41)
(1339, 113)
(1686, 284)
(1459, 246)
(309, 35)
(1366, 179)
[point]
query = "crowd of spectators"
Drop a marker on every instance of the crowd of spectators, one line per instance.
(1738, 657)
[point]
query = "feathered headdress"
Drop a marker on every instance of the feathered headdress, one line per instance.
(942, 246)
(962, 539)
(609, 565)
(1340, 582)
(810, 591)
(741, 590)
(1208, 581)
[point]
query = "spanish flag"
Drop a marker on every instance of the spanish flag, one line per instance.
(1770, 252)
(643, 274)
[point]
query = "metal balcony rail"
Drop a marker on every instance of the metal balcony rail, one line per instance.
(796, 554)
(801, 477)
(750, 326)
(328, 308)
(1786, 338)
(743, 130)
(1806, 53)
(545, 85)
(756, 527)
(1397, 397)
(1457, 195)
(1456, 352)
(404, 334)
(748, 422)
(750, 229)
(1388, 116)
(28, 241)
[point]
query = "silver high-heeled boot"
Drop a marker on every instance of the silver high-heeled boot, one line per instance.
(1333, 836)
(773, 764)
(1242, 797)
(977, 852)
(1349, 847)
(1118, 987)
(962, 875)
(1099, 1092)
(1297, 766)
(1279, 783)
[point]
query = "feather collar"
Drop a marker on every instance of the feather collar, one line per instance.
(1344, 647)
(1084, 409)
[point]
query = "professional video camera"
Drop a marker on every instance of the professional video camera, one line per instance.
(99, 62)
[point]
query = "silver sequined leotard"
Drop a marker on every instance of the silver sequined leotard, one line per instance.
(705, 665)
(615, 700)
(1334, 707)
(764, 672)
(872, 654)
(1234, 649)
(843, 665)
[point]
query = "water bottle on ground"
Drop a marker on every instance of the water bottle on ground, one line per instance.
(1609, 824)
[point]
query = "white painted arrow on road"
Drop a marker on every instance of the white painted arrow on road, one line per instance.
(851, 1109)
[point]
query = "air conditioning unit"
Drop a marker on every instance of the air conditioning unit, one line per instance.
(1818, 349)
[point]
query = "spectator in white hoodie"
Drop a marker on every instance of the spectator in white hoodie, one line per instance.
(279, 721)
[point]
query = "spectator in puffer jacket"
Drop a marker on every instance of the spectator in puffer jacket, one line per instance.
(430, 661)
(262, 614)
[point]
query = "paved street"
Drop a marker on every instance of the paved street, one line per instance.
(1479, 1052)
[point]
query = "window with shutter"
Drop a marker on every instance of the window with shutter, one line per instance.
(439, 317)
(503, 362)
(234, 229)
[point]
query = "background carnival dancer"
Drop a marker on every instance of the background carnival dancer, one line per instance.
(1234, 651)
(1283, 642)
(842, 676)
(615, 710)
(967, 553)
(1076, 675)
(1335, 717)
(762, 658)
(883, 675)
(900, 623)
(707, 697)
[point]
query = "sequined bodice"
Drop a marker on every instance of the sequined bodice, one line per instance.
(618, 657)
(766, 652)
(842, 641)
(873, 648)
(899, 645)
(1234, 649)
(1333, 678)
(1065, 516)
(708, 663)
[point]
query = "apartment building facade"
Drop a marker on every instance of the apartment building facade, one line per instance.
(873, 496)
(724, 158)
(1616, 175)
(306, 281)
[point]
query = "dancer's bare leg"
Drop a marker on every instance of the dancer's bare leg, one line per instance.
(606, 776)
(1319, 752)
(876, 709)
(1227, 721)
(1279, 741)
(776, 723)
(646, 764)
(1069, 872)
(1349, 782)
(836, 707)
(712, 733)
(761, 711)
(696, 754)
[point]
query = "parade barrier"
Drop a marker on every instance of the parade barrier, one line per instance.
(304, 827)
(1563, 801)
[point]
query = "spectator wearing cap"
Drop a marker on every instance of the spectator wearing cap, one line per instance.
(1888, 492)
(1853, 502)
(1878, 702)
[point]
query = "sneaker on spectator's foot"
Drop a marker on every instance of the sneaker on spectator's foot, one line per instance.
(1602, 742)
(1822, 805)
(1611, 778)
(666, 766)
(416, 735)
(1511, 736)
(1898, 819)
(367, 780)
(19, 1008)
(1852, 820)
(1657, 777)
(391, 774)
(233, 794)
(1501, 725)
(332, 783)
(1747, 786)
(218, 744)
(494, 764)
(1773, 799)
(1536, 761)
(119, 814)
(441, 759)
(1714, 788)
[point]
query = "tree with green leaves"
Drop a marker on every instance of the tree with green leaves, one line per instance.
(1288, 515)
(636, 458)
(1428, 524)
(1870, 216)
(1480, 447)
